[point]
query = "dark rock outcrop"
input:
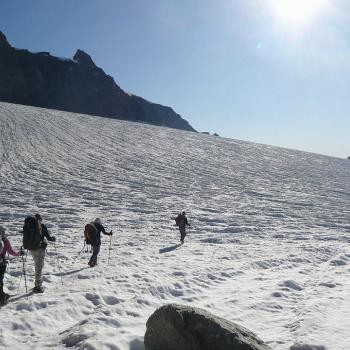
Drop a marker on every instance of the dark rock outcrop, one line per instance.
(178, 327)
(78, 85)
(3, 41)
(307, 347)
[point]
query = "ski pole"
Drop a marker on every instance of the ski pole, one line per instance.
(58, 262)
(24, 274)
(110, 247)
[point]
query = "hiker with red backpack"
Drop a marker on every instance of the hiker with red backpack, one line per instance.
(181, 221)
(5, 247)
(92, 234)
(35, 237)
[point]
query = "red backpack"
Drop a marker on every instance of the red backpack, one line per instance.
(90, 233)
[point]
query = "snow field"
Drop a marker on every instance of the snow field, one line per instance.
(268, 247)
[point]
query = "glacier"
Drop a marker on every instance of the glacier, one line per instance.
(269, 245)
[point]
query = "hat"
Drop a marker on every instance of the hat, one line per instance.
(98, 221)
(38, 217)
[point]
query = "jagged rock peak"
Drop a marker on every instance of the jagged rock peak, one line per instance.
(83, 58)
(3, 40)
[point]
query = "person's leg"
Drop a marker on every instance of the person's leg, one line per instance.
(2, 274)
(183, 234)
(3, 295)
(38, 257)
(95, 252)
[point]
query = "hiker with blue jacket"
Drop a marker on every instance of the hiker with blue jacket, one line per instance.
(93, 237)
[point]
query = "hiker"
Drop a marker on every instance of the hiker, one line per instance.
(181, 221)
(5, 247)
(93, 236)
(35, 237)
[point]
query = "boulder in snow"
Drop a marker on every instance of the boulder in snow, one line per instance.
(307, 347)
(179, 327)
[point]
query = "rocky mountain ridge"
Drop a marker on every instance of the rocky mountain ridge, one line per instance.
(74, 85)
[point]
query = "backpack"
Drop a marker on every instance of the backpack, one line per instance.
(32, 236)
(178, 220)
(90, 233)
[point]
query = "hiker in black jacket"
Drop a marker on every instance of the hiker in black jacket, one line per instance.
(96, 240)
(181, 221)
(38, 254)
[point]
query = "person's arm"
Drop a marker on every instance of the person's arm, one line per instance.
(8, 248)
(46, 234)
(104, 231)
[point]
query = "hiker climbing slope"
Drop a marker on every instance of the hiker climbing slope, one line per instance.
(5, 247)
(93, 236)
(181, 221)
(34, 239)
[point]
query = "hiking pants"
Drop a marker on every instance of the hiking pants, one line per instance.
(2, 274)
(182, 232)
(95, 251)
(38, 257)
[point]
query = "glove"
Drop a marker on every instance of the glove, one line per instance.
(111, 233)
(21, 252)
(52, 239)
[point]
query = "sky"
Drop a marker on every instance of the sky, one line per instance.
(269, 71)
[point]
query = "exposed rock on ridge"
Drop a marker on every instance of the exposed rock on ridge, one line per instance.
(3, 41)
(78, 85)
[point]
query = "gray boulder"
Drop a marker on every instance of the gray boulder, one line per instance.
(179, 327)
(307, 347)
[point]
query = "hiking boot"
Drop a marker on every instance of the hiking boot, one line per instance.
(92, 264)
(38, 290)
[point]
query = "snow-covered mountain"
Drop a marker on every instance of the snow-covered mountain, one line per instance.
(269, 245)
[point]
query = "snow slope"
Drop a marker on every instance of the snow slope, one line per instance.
(269, 246)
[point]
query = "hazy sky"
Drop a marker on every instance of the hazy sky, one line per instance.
(268, 71)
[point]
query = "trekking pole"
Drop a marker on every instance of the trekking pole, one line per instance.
(24, 274)
(20, 279)
(79, 252)
(58, 262)
(110, 247)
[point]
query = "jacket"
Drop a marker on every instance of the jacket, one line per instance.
(97, 239)
(7, 249)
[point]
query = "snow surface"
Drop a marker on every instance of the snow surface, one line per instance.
(268, 247)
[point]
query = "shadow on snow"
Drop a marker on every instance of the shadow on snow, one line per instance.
(169, 249)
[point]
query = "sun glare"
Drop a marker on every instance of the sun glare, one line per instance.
(297, 11)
